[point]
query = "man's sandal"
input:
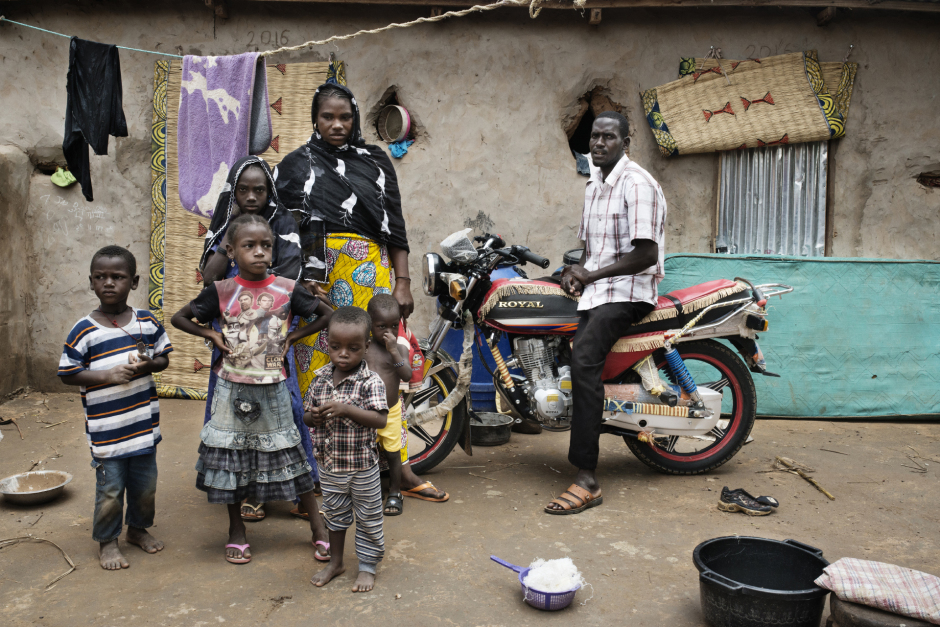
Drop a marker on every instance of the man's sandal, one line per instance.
(574, 500)
(395, 503)
(244, 559)
(415, 493)
(252, 513)
(321, 557)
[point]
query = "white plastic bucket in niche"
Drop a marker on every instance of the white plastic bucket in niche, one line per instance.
(394, 123)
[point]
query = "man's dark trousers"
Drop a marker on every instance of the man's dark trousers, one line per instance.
(598, 331)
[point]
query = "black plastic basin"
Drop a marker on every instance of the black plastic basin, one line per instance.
(755, 582)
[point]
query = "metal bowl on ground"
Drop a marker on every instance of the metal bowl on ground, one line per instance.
(490, 429)
(33, 488)
(754, 582)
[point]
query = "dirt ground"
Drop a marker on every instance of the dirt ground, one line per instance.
(635, 549)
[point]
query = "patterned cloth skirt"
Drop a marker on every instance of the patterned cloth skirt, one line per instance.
(356, 269)
(251, 448)
(296, 399)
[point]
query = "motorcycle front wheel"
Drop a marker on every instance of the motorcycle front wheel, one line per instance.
(429, 444)
(715, 366)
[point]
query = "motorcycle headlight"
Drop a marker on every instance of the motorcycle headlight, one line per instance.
(432, 266)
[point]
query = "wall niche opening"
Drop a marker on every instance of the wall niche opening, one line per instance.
(46, 160)
(929, 179)
(578, 127)
(580, 137)
(389, 125)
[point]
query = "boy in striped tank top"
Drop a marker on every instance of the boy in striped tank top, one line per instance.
(110, 354)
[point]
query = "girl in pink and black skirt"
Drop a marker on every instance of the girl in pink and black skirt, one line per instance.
(251, 448)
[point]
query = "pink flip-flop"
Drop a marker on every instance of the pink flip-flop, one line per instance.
(238, 560)
(316, 553)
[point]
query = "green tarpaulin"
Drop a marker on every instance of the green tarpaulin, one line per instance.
(856, 338)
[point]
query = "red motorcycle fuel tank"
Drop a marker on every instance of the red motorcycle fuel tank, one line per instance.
(529, 308)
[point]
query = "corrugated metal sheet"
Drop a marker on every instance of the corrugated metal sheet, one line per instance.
(772, 201)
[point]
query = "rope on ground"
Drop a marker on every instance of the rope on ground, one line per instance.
(52, 32)
(12, 541)
(534, 11)
(464, 371)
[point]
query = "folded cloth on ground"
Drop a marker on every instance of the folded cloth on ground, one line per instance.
(215, 127)
(885, 586)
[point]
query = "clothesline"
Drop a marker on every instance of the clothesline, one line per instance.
(51, 32)
(533, 5)
(534, 10)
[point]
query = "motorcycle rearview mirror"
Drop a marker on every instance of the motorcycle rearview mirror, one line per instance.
(490, 241)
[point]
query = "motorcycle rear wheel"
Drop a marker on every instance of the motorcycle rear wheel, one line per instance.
(431, 443)
(737, 418)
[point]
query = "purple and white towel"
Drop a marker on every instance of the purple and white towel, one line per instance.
(223, 117)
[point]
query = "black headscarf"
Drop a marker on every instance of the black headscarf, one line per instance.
(285, 258)
(351, 188)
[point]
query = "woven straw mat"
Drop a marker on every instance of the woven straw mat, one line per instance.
(838, 76)
(795, 112)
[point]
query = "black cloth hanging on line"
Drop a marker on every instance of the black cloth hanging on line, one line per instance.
(94, 107)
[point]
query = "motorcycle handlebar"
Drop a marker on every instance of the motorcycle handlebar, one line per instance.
(525, 254)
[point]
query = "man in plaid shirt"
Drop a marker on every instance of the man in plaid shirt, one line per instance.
(345, 405)
(622, 227)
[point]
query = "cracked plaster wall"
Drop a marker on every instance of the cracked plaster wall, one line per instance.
(492, 92)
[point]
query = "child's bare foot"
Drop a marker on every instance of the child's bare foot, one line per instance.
(143, 539)
(110, 556)
(326, 575)
(364, 582)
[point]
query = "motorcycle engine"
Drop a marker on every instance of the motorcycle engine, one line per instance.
(547, 384)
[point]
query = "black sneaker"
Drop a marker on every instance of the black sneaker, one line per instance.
(740, 501)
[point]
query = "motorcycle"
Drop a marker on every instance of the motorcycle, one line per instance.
(683, 402)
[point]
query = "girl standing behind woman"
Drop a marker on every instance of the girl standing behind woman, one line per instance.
(250, 189)
(251, 447)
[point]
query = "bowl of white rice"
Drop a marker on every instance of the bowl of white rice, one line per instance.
(548, 584)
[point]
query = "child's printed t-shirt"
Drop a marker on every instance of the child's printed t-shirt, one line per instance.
(255, 317)
(120, 420)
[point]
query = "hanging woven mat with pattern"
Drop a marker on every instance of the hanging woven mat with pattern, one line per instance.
(723, 104)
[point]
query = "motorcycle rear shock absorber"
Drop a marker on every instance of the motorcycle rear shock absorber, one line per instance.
(682, 375)
(501, 365)
(515, 395)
